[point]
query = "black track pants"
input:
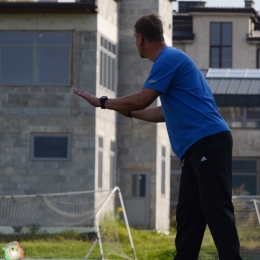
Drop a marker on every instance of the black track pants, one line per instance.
(205, 197)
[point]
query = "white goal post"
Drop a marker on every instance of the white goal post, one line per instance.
(98, 219)
(257, 209)
(247, 213)
(95, 221)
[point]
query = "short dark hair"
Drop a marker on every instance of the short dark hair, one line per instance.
(151, 27)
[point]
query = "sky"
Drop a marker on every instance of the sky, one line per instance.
(223, 3)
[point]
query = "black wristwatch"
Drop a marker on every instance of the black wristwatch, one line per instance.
(103, 99)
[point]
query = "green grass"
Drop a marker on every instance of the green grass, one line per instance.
(149, 245)
(71, 245)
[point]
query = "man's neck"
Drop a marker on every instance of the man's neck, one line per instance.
(154, 49)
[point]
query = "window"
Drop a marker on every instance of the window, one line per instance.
(107, 64)
(135, 185)
(220, 45)
(100, 162)
(245, 176)
(175, 180)
(163, 170)
(54, 147)
(241, 117)
(35, 58)
(258, 58)
(112, 164)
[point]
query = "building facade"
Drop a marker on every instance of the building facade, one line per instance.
(225, 45)
(53, 141)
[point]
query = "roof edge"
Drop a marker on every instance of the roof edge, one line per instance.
(223, 10)
(48, 7)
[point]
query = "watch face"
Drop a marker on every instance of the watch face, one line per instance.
(102, 101)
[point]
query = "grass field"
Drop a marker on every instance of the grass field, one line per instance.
(149, 245)
(71, 245)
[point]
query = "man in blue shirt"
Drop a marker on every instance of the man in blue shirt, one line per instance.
(199, 137)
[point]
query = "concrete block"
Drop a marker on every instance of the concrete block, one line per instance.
(59, 179)
(36, 89)
(30, 191)
(67, 172)
(50, 90)
(36, 165)
(23, 186)
(64, 165)
(46, 178)
(22, 89)
(35, 103)
(14, 129)
(64, 90)
(50, 165)
(12, 111)
(29, 111)
(31, 179)
(23, 172)
(7, 143)
(49, 103)
(60, 111)
(63, 103)
(43, 110)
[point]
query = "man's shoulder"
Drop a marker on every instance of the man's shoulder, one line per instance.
(171, 49)
(170, 56)
(171, 52)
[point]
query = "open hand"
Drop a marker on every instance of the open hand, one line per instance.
(92, 100)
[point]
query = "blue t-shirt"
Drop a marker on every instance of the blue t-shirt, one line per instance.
(188, 105)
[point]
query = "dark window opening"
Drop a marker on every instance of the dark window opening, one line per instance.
(35, 58)
(220, 45)
(50, 147)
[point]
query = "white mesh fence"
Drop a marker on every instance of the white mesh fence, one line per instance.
(86, 224)
(247, 212)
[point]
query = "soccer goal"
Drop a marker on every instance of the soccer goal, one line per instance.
(247, 213)
(248, 225)
(72, 225)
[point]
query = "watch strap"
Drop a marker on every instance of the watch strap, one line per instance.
(103, 99)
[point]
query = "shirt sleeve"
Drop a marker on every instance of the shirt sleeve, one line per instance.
(160, 77)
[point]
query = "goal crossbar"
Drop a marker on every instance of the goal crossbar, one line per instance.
(96, 221)
(97, 217)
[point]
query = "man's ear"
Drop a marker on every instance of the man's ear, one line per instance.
(141, 39)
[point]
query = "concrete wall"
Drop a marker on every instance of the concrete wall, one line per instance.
(48, 109)
(163, 200)
(105, 119)
(139, 148)
(246, 143)
(52, 109)
(199, 50)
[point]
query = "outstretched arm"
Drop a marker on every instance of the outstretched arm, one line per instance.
(154, 114)
(137, 101)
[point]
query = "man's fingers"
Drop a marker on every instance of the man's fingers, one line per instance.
(94, 101)
(80, 92)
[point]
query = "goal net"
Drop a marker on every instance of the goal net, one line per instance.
(73, 225)
(247, 212)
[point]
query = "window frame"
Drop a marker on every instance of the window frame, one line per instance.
(112, 164)
(221, 46)
(100, 162)
(36, 47)
(163, 170)
(32, 145)
(244, 122)
(107, 64)
(258, 58)
(255, 173)
(136, 180)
